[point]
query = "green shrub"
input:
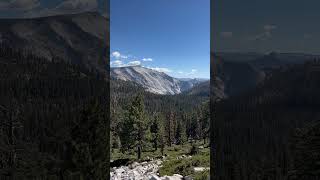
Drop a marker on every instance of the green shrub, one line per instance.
(201, 175)
(185, 166)
(194, 150)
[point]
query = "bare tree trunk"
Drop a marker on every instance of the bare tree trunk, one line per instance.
(162, 149)
(139, 151)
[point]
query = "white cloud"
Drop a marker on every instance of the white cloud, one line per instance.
(165, 70)
(117, 63)
(263, 36)
(226, 34)
(147, 59)
(118, 55)
(266, 34)
(19, 5)
(192, 72)
(134, 63)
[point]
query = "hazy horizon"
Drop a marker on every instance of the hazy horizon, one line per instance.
(267, 52)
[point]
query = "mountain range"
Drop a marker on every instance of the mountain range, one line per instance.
(154, 81)
(77, 38)
(235, 73)
(84, 39)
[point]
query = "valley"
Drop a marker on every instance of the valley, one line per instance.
(262, 126)
(54, 92)
(174, 107)
(148, 126)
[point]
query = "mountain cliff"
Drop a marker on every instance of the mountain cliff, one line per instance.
(152, 80)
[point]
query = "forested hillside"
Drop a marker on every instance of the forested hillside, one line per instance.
(186, 113)
(54, 118)
(271, 131)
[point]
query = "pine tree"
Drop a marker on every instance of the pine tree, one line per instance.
(170, 127)
(184, 136)
(194, 127)
(90, 142)
(205, 121)
(306, 150)
(134, 125)
(155, 129)
(178, 136)
(162, 139)
(126, 132)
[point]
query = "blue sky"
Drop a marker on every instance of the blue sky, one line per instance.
(172, 36)
(266, 25)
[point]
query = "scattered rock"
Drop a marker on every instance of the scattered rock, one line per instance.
(119, 170)
(200, 169)
(174, 177)
(178, 175)
(183, 157)
(133, 165)
(188, 178)
(137, 171)
(154, 177)
(158, 162)
(147, 171)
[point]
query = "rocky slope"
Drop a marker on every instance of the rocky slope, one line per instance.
(152, 80)
(149, 170)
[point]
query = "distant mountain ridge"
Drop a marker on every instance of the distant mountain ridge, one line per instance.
(200, 89)
(236, 72)
(78, 38)
(283, 58)
(153, 81)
